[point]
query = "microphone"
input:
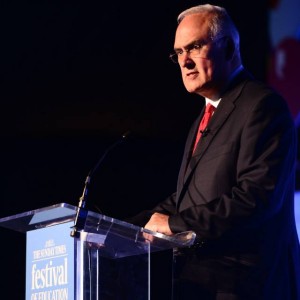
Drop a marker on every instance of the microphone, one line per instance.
(81, 214)
(204, 132)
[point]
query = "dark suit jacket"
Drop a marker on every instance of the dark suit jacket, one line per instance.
(237, 193)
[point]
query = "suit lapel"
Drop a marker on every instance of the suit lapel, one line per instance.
(188, 152)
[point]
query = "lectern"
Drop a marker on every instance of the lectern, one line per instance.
(107, 259)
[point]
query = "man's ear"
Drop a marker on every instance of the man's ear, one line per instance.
(229, 48)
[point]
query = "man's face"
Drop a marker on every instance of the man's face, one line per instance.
(199, 58)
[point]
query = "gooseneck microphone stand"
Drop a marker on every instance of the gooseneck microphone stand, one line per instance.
(81, 213)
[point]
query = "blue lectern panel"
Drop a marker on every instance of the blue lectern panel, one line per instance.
(50, 263)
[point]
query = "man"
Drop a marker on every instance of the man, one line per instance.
(236, 184)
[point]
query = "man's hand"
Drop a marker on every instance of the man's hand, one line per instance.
(159, 223)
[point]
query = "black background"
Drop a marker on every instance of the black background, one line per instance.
(76, 75)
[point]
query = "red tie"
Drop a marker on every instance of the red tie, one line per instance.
(209, 109)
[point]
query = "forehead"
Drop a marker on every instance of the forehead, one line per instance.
(192, 28)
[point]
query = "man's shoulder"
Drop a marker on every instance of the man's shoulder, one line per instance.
(251, 87)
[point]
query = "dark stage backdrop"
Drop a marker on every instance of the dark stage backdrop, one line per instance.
(75, 75)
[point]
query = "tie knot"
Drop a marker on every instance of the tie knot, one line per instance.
(202, 130)
(209, 108)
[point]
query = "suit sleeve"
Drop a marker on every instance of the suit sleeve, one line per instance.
(166, 207)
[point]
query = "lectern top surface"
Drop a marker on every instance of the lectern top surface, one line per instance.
(119, 237)
(38, 218)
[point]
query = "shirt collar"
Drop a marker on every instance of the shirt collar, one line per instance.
(214, 103)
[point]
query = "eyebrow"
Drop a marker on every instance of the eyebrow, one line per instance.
(199, 41)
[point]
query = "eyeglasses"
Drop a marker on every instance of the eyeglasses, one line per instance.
(194, 50)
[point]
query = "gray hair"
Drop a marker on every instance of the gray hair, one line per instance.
(220, 25)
